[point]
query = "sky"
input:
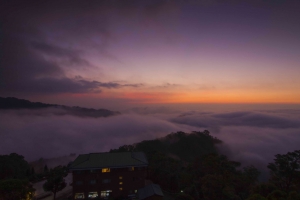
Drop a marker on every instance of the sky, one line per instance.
(124, 53)
(231, 67)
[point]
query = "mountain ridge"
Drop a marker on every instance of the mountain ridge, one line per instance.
(12, 103)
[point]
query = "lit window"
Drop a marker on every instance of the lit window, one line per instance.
(93, 195)
(120, 177)
(120, 183)
(93, 182)
(135, 191)
(131, 168)
(106, 181)
(79, 195)
(104, 170)
(105, 193)
(120, 188)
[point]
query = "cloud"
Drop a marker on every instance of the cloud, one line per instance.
(42, 40)
(166, 86)
(40, 47)
(257, 120)
(51, 38)
(51, 136)
(66, 56)
(46, 134)
(257, 145)
(247, 118)
(27, 72)
(251, 137)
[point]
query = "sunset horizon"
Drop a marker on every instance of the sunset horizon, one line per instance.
(152, 52)
(201, 97)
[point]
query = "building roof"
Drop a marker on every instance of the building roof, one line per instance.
(109, 160)
(149, 191)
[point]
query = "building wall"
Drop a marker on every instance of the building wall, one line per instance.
(154, 197)
(85, 181)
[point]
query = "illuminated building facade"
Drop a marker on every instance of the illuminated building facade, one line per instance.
(104, 175)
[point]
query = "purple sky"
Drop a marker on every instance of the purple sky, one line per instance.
(231, 67)
(120, 53)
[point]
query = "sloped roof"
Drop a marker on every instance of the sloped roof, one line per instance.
(149, 191)
(109, 160)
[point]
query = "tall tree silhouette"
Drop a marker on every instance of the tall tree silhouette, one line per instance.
(285, 171)
(55, 181)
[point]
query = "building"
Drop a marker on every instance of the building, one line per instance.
(150, 192)
(103, 175)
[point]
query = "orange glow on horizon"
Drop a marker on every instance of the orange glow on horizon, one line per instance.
(193, 97)
(219, 97)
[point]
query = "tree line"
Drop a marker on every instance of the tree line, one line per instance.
(187, 166)
(17, 178)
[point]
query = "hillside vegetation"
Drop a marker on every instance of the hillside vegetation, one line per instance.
(188, 166)
(181, 146)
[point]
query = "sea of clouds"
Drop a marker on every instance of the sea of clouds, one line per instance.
(252, 137)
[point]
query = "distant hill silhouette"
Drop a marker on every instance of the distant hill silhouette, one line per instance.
(12, 103)
(180, 145)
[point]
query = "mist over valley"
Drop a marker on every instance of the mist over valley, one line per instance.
(251, 137)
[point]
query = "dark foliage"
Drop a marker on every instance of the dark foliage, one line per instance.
(16, 189)
(14, 175)
(55, 181)
(14, 166)
(184, 197)
(256, 197)
(284, 183)
(285, 171)
(183, 146)
(263, 189)
(190, 162)
(187, 166)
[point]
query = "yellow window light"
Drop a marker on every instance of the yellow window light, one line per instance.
(104, 170)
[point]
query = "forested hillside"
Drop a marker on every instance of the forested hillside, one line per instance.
(188, 166)
(180, 146)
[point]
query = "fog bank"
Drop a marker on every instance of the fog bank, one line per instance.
(251, 137)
